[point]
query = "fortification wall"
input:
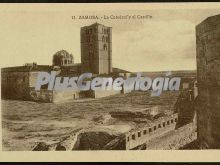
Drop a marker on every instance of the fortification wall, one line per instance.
(100, 94)
(49, 96)
(21, 84)
(60, 96)
(144, 135)
(43, 95)
(208, 81)
(175, 139)
(15, 85)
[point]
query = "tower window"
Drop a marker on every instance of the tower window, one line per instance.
(105, 47)
(103, 38)
(133, 136)
(88, 39)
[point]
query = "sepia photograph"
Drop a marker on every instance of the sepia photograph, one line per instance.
(99, 78)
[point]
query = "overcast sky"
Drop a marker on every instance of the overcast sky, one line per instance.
(165, 42)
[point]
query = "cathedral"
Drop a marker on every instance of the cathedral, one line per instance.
(96, 57)
(96, 52)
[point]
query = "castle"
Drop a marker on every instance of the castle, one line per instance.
(208, 78)
(96, 57)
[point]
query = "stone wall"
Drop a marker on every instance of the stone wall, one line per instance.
(15, 85)
(208, 80)
(99, 94)
(176, 139)
(61, 96)
(43, 95)
(144, 135)
(20, 85)
(185, 107)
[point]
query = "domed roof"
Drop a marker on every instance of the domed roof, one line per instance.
(63, 53)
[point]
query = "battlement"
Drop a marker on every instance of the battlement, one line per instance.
(138, 137)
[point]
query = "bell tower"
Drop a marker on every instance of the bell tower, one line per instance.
(96, 49)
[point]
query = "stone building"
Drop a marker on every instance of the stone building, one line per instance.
(19, 83)
(96, 49)
(96, 46)
(208, 82)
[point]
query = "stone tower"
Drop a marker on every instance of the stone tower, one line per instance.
(96, 49)
(208, 82)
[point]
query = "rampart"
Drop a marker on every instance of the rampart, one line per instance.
(208, 80)
(100, 94)
(156, 129)
(50, 96)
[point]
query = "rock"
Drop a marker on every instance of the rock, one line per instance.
(41, 146)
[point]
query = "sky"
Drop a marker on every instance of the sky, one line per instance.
(167, 41)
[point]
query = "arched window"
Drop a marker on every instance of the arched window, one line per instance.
(88, 39)
(105, 47)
